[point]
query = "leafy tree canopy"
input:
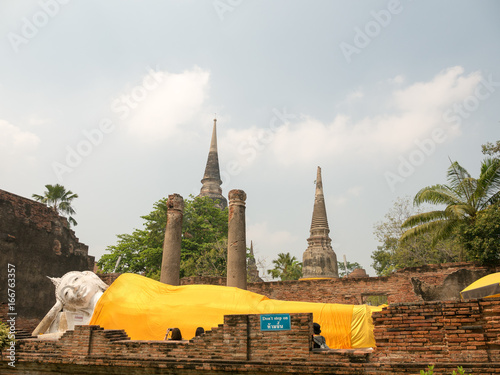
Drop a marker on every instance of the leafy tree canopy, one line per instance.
(286, 267)
(203, 248)
(393, 254)
(60, 199)
(462, 198)
(492, 149)
(481, 238)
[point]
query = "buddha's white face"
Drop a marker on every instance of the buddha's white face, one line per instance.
(77, 289)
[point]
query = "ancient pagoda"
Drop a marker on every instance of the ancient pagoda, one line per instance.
(252, 271)
(319, 260)
(211, 181)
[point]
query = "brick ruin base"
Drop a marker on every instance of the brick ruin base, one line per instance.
(410, 336)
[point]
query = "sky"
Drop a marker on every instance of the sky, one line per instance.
(115, 100)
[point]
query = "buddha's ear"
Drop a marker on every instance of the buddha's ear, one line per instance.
(55, 280)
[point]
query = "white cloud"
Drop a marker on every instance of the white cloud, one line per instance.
(342, 199)
(268, 244)
(170, 109)
(16, 143)
(38, 121)
(170, 102)
(415, 111)
(448, 87)
(355, 191)
(399, 79)
(352, 99)
(339, 200)
(358, 94)
(246, 145)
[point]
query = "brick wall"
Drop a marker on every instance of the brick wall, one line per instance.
(108, 278)
(436, 282)
(238, 339)
(38, 243)
(203, 280)
(435, 332)
(23, 325)
(409, 337)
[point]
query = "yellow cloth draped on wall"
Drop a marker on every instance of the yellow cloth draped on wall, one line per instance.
(145, 308)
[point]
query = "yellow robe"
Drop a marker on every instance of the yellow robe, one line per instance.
(145, 308)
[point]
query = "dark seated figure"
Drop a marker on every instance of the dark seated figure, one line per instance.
(199, 331)
(175, 334)
(319, 341)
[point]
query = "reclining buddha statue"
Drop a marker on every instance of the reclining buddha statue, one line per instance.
(146, 308)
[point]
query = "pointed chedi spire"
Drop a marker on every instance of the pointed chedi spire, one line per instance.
(211, 181)
(252, 258)
(252, 271)
(319, 260)
(319, 222)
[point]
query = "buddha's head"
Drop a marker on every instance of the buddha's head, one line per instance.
(76, 290)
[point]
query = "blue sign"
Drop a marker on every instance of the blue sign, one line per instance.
(275, 322)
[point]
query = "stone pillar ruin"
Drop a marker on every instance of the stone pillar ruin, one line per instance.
(236, 241)
(171, 260)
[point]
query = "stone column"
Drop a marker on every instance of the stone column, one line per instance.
(171, 261)
(236, 241)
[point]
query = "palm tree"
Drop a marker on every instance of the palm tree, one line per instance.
(286, 267)
(464, 197)
(59, 199)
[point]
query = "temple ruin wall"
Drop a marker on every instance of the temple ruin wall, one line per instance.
(38, 243)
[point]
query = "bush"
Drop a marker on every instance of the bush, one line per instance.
(5, 340)
(430, 371)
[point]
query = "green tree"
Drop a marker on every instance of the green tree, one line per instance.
(6, 338)
(492, 149)
(59, 199)
(205, 229)
(481, 239)
(463, 197)
(350, 267)
(393, 254)
(212, 261)
(383, 261)
(286, 267)
(203, 249)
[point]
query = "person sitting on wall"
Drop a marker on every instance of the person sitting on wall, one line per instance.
(199, 331)
(169, 331)
(176, 334)
(318, 340)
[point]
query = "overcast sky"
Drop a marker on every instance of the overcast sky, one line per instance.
(116, 99)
